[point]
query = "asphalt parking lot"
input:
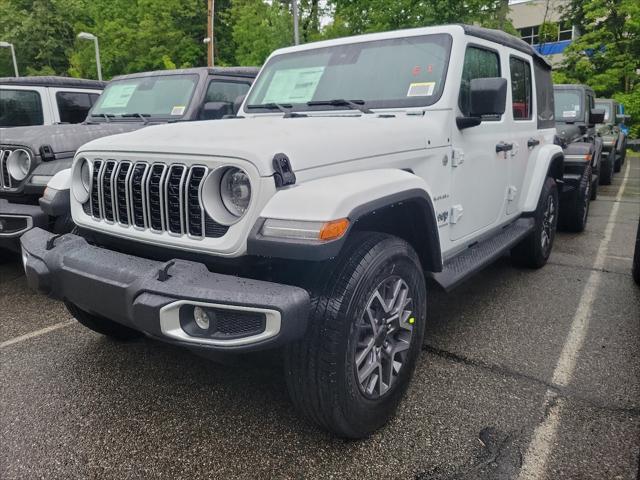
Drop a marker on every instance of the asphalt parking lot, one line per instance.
(524, 375)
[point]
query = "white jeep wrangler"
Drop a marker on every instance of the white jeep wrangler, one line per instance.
(355, 168)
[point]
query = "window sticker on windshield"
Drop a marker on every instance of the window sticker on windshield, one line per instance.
(424, 89)
(569, 114)
(296, 85)
(118, 96)
(178, 110)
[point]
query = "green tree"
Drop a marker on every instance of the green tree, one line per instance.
(42, 32)
(258, 28)
(363, 16)
(606, 56)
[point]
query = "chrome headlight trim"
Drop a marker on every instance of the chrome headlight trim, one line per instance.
(19, 164)
(79, 185)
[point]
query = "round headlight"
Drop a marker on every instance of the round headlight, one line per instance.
(81, 180)
(19, 164)
(235, 191)
(85, 175)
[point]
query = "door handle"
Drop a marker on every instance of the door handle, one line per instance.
(504, 147)
(532, 142)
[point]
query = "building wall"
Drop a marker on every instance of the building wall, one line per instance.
(528, 15)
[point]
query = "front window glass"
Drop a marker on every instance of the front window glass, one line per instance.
(73, 106)
(568, 105)
(20, 108)
(155, 96)
(400, 72)
(478, 63)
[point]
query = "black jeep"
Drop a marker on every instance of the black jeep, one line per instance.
(614, 140)
(576, 119)
(31, 156)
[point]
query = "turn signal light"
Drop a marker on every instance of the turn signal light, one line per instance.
(334, 229)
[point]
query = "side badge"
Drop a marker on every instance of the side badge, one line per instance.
(443, 218)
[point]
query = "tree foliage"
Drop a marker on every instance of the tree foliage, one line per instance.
(606, 54)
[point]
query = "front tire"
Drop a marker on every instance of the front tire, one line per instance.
(352, 367)
(534, 251)
(102, 325)
(574, 211)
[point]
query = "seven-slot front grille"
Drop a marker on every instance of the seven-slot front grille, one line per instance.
(6, 181)
(153, 196)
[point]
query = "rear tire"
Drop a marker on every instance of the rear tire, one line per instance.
(102, 325)
(574, 211)
(534, 251)
(351, 369)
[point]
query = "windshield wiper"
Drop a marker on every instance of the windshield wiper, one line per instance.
(142, 116)
(283, 107)
(341, 102)
(106, 116)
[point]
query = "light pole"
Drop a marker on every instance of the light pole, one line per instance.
(207, 42)
(89, 36)
(296, 33)
(13, 55)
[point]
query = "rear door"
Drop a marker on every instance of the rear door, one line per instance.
(525, 138)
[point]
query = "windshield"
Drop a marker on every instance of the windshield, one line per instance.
(155, 96)
(401, 72)
(568, 105)
(20, 108)
(607, 110)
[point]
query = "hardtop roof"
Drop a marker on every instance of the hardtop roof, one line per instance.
(245, 72)
(53, 81)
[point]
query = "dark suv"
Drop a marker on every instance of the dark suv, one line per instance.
(576, 120)
(31, 156)
(614, 140)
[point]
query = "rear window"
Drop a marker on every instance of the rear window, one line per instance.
(74, 106)
(20, 108)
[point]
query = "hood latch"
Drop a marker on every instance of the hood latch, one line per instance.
(283, 175)
(46, 153)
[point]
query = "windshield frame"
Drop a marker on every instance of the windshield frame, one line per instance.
(578, 118)
(395, 104)
(150, 118)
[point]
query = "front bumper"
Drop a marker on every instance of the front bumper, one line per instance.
(16, 219)
(133, 292)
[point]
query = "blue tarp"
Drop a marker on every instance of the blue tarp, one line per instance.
(552, 48)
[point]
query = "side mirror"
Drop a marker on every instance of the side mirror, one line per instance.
(488, 96)
(596, 116)
(215, 110)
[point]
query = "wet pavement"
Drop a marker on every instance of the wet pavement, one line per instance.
(77, 405)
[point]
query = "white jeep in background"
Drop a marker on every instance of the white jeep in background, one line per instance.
(355, 168)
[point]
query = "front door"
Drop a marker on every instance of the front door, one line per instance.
(479, 172)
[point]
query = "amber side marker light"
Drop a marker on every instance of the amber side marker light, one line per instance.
(334, 229)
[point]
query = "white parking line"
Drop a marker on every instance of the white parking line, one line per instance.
(535, 460)
(37, 333)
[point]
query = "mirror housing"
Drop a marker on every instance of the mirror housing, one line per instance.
(621, 117)
(215, 110)
(488, 96)
(596, 115)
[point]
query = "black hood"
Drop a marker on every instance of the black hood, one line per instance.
(64, 139)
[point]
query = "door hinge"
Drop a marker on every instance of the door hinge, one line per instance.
(457, 157)
(511, 193)
(456, 213)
